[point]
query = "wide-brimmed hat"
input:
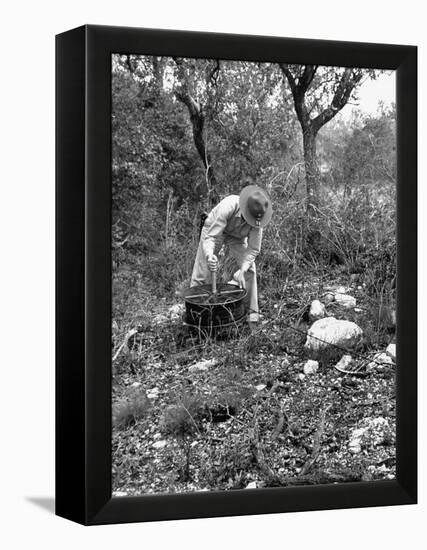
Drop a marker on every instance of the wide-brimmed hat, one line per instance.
(255, 205)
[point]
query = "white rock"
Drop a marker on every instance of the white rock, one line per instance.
(284, 362)
(380, 359)
(160, 444)
(175, 312)
(344, 362)
(355, 446)
(358, 433)
(391, 351)
(203, 365)
(342, 289)
(251, 485)
(328, 297)
(153, 393)
(331, 331)
(311, 367)
(345, 300)
(260, 387)
(119, 494)
(355, 443)
(358, 310)
(337, 288)
(301, 376)
(383, 358)
(317, 311)
(136, 384)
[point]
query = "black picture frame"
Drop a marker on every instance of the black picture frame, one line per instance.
(83, 275)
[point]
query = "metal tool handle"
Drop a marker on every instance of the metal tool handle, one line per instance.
(213, 282)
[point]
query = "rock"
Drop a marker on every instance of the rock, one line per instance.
(330, 331)
(284, 362)
(251, 485)
(260, 387)
(355, 446)
(355, 443)
(311, 367)
(344, 362)
(301, 376)
(337, 288)
(383, 358)
(391, 351)
(176, 312)
(374, 432)
(328, 297)
(345, 300)
(160, 444)
(135, 385)
(317, 311)
(379, 360)
(153, 393)
(119, 494)
(203, 365)
(342, 290)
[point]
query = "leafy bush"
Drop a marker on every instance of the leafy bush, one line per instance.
(130, 408)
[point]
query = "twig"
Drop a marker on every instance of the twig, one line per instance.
(130, 333)
(280, 423)
(317, 442)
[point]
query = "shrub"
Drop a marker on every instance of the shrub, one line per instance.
(183, 418)
(129, 409)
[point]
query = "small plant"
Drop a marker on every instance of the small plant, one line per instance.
(129, 409)
(182, 418)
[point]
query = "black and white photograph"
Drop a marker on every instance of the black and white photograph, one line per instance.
(253, 269)
(213, 297)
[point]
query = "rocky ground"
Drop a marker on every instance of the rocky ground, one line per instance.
(254, 410)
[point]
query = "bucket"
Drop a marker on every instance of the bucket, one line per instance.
(207, 310)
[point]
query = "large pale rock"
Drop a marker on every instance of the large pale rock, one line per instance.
(317, 311)
(330, 331)
(345, 300)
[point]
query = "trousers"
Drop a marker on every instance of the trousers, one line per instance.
(201, 274)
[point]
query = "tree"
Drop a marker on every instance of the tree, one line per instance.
(186, 92)
(370, 154)
(318, 94)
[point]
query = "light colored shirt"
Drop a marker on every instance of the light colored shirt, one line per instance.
(226, 225)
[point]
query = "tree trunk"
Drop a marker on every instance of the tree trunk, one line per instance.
(311, 171)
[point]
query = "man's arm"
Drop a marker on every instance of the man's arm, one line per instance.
(254, 248)
(216, 223)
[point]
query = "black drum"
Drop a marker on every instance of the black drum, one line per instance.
(206, 310)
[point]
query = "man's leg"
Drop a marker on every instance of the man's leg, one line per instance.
(201, 274)
(238, 251)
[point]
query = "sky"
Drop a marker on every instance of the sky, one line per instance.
(371, 92)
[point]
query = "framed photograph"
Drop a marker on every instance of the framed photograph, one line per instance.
(236, 275)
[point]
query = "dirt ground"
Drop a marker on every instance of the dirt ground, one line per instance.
(237, 411)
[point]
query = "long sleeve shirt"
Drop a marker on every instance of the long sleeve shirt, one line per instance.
(225, 224)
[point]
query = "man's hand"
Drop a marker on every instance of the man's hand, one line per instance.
(239, 277)
(212, 262)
